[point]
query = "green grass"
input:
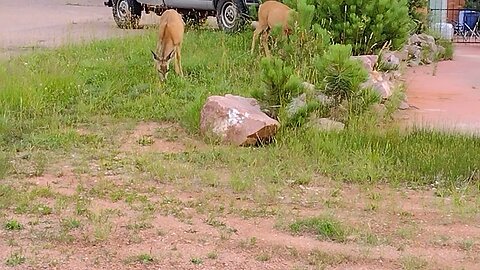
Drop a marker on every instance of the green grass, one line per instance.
(15, 259)
(48, 94)
(410, 262)
(196, 261)
(13, 225)
(70, 223)
(327, 228)
(141, 258)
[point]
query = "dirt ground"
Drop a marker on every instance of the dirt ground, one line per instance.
(34, 24)
(447, 95)
(109, 213)
(101, 209)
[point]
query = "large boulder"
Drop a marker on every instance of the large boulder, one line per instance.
(236, 120)
(368, 61)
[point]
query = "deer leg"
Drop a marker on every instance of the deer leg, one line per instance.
(265, 43)
(257, 31)
(178, 61)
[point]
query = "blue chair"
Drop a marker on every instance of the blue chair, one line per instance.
(468, 24)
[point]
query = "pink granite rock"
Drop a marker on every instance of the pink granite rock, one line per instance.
(236, 120)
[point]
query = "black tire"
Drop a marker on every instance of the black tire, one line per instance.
(127, 13)
(230, 15)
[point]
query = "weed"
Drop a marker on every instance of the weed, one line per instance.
(102, 226)
(248, 243)
(410, 262)
(70, 223)
(239, 184)
(140, 225)
(324, 227)
(196, 261)
(408, 231)
(15, 259)
(322, 259)
(146, 140)
(4, 165)
(212, 255)
(467, 244)
(263, 257)
(13, 225)
(143, 258)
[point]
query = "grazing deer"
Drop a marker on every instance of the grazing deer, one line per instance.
(270, 14)
(169, 45)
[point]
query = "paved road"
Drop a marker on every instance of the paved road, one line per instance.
(30, 24)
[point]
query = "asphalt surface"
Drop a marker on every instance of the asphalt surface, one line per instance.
(34, 24)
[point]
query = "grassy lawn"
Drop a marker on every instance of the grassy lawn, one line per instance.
(95, 152)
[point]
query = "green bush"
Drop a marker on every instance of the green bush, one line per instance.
(366, 25)
(281, 84)
(418, 18)
(342, 75)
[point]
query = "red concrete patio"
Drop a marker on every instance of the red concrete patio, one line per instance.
(448, 98)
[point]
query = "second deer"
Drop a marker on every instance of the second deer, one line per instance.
(270, 14)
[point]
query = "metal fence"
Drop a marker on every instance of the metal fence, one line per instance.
(460, 25)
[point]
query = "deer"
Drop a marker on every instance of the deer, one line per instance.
(169, 44)
(270, 14)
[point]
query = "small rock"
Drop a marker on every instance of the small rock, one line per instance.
(383, 88)
(326, 124)
(368, 61)
(296, 104)
(324, 99)
(403, 106)
(402, 55)
(414, 39)
(389, 61)
(424, 38)
(378, 84)
(236, 120)
(414, 51)
(308, 86)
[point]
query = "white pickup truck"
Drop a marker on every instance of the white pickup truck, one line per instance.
(230, 14)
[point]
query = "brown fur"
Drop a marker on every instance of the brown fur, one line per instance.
(270, 14)
(169, 45)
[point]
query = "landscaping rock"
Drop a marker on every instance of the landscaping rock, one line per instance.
(296, 104)
(308, 86)
(414, 40)
(236, 120)
(403, 105)
(383, 88)
(389, 61)
(402, 55)
(368, 61)
(326, 124)
(429, 40)
(324, 99)
(378, 84)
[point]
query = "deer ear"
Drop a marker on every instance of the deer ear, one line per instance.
(155, 56)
